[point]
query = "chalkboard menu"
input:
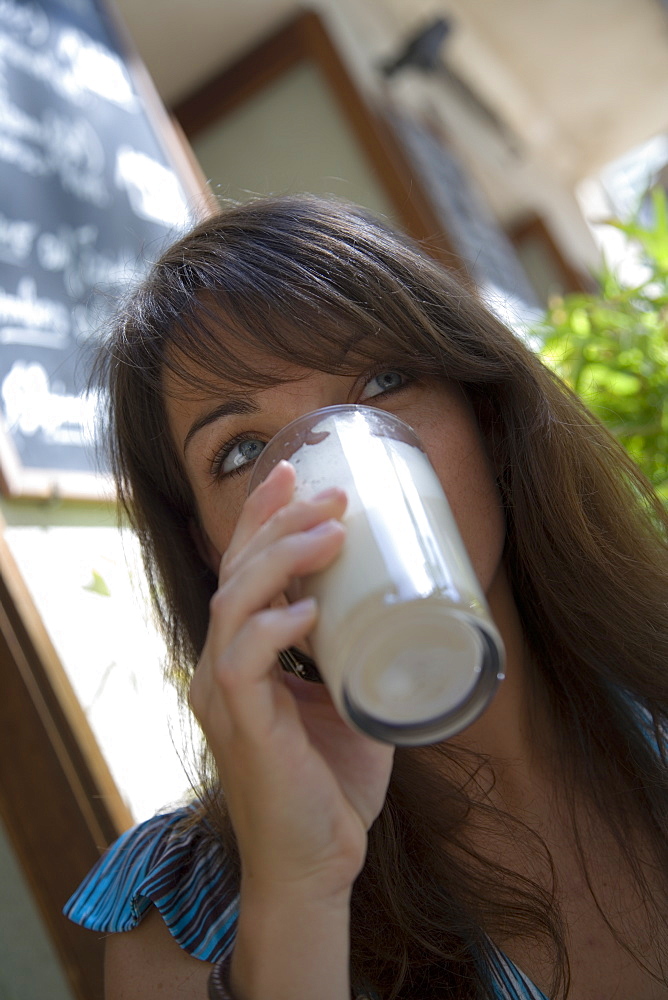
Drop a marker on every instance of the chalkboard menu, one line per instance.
(88, 197)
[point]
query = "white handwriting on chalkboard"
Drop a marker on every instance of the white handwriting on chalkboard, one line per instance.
(74, 151)
(71, 250)
(22, 156)
(16, 240)
(90, 67)
(59, 251)
(31, 405)
(70, 148)
(73, 65)
(153, 190)
(27, 319)
(27, 20)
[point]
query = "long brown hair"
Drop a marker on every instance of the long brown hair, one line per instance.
(324, 286)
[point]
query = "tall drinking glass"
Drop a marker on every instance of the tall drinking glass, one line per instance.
(404, 639)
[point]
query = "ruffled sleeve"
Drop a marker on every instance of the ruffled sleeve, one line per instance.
(174, 863)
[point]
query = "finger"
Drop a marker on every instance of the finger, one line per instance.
(273, 492)
(261, 578)
(300, 515)
(236, 674)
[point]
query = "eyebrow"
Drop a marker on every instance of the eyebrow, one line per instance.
(233, 407)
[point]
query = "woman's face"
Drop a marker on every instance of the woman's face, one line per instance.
(218, 434)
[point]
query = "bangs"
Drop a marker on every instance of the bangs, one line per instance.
(251, 343)
(250, 297)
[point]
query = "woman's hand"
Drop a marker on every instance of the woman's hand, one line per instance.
(301, 786)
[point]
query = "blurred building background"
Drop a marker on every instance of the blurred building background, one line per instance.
(536, 100)
(501, 134)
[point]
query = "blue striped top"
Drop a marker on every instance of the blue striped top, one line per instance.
(175, 863)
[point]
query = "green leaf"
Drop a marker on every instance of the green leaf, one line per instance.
(97, 585)
(611, 346)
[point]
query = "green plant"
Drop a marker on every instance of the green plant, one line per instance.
(612, 347)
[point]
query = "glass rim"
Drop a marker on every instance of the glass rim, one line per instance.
(305, 418)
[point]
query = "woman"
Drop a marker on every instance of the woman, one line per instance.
(525, 856)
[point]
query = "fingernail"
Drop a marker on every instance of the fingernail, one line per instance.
(329, 494)
(279, 465)
(326, 527)
(303, 608)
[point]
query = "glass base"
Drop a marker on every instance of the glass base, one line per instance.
(442, 724)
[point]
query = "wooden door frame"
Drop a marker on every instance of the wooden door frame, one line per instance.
(305, 38)
(58, 801)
